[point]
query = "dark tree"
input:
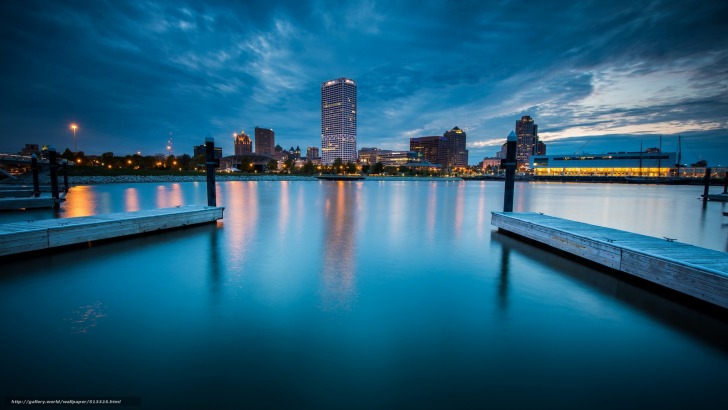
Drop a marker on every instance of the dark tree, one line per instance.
(378, 168)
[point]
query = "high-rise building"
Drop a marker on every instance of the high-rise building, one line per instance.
(448, 151)
(264, 141)
(243, 144)
(527, 133)
(432, 149)
(338, 120)
(457, 155)
(312, 153)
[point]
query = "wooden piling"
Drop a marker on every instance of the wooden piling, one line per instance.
(706, 187)
(210, 164)
(64, 168)
(34, 167)
(53, 163)
(510, 164)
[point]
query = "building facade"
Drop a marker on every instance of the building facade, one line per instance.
(457, 155)
(388, 158)
(312, 153)
(448, 151)
(430, 149)
(527, 133)
(201, 150)
(264, 141)
(491, 164)
(243, 144)
(613, 164)
(338, 120)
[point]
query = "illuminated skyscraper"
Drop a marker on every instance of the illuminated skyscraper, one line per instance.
(243, 144)
(338, 120)
(527, 133)
(457, 155)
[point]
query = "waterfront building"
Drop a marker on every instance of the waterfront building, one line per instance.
(387, 157)
(264, 141)
(448, 150)
(294, 153)
(30, 149)
(527, 133)
(312, 153)
(619, 164)
(200, 150)
(491, 163)
(457, 155)
(430, 149)
(338, 120)
(243, 144)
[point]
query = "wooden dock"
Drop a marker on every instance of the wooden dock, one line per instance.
(28, 236)
(698, 272)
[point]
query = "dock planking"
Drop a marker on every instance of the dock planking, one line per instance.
(698, 272)
(28, 236)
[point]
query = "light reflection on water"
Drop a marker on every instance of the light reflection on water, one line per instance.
(361, 295)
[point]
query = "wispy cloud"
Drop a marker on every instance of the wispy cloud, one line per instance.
(132, 72)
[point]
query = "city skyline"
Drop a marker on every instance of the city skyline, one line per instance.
(605, 77)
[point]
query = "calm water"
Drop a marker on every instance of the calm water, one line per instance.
(362, 295)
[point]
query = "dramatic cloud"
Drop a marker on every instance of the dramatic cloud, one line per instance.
(606, 74)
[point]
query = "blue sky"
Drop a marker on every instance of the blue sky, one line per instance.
(608, 74)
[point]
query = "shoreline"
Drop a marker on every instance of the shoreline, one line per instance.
(133, 179)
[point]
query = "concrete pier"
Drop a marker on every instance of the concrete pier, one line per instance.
(28, 236)
(691, 270)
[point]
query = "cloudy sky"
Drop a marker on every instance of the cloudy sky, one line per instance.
(596, 76)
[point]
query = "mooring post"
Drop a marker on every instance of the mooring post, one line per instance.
(210, 167)
(34, 168)
(725, 182)
(53, 163)
(706, 188)
(510, 164)
(64, 167)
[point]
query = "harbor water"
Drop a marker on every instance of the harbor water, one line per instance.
(368, 294)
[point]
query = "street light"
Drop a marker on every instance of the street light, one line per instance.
(73, 127)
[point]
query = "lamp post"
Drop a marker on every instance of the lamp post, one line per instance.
(74, 127)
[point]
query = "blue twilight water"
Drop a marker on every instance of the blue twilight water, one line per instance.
(362, 295)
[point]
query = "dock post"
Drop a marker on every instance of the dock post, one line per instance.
(64, 167)
(210, 167)
(34, 168)
(53, 162)
(706, 187)
(510, 164)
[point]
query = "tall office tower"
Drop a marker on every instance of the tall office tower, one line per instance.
(527, 133)
(338, 120)
(264, 141)
(243, 144)
(432, 149)
(457, 155)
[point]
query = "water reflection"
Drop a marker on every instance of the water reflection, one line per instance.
(79, 202)
(169, 196)
(339, 250)
(215, 266)
(691, 317)
(503, 278)
(131, 200)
